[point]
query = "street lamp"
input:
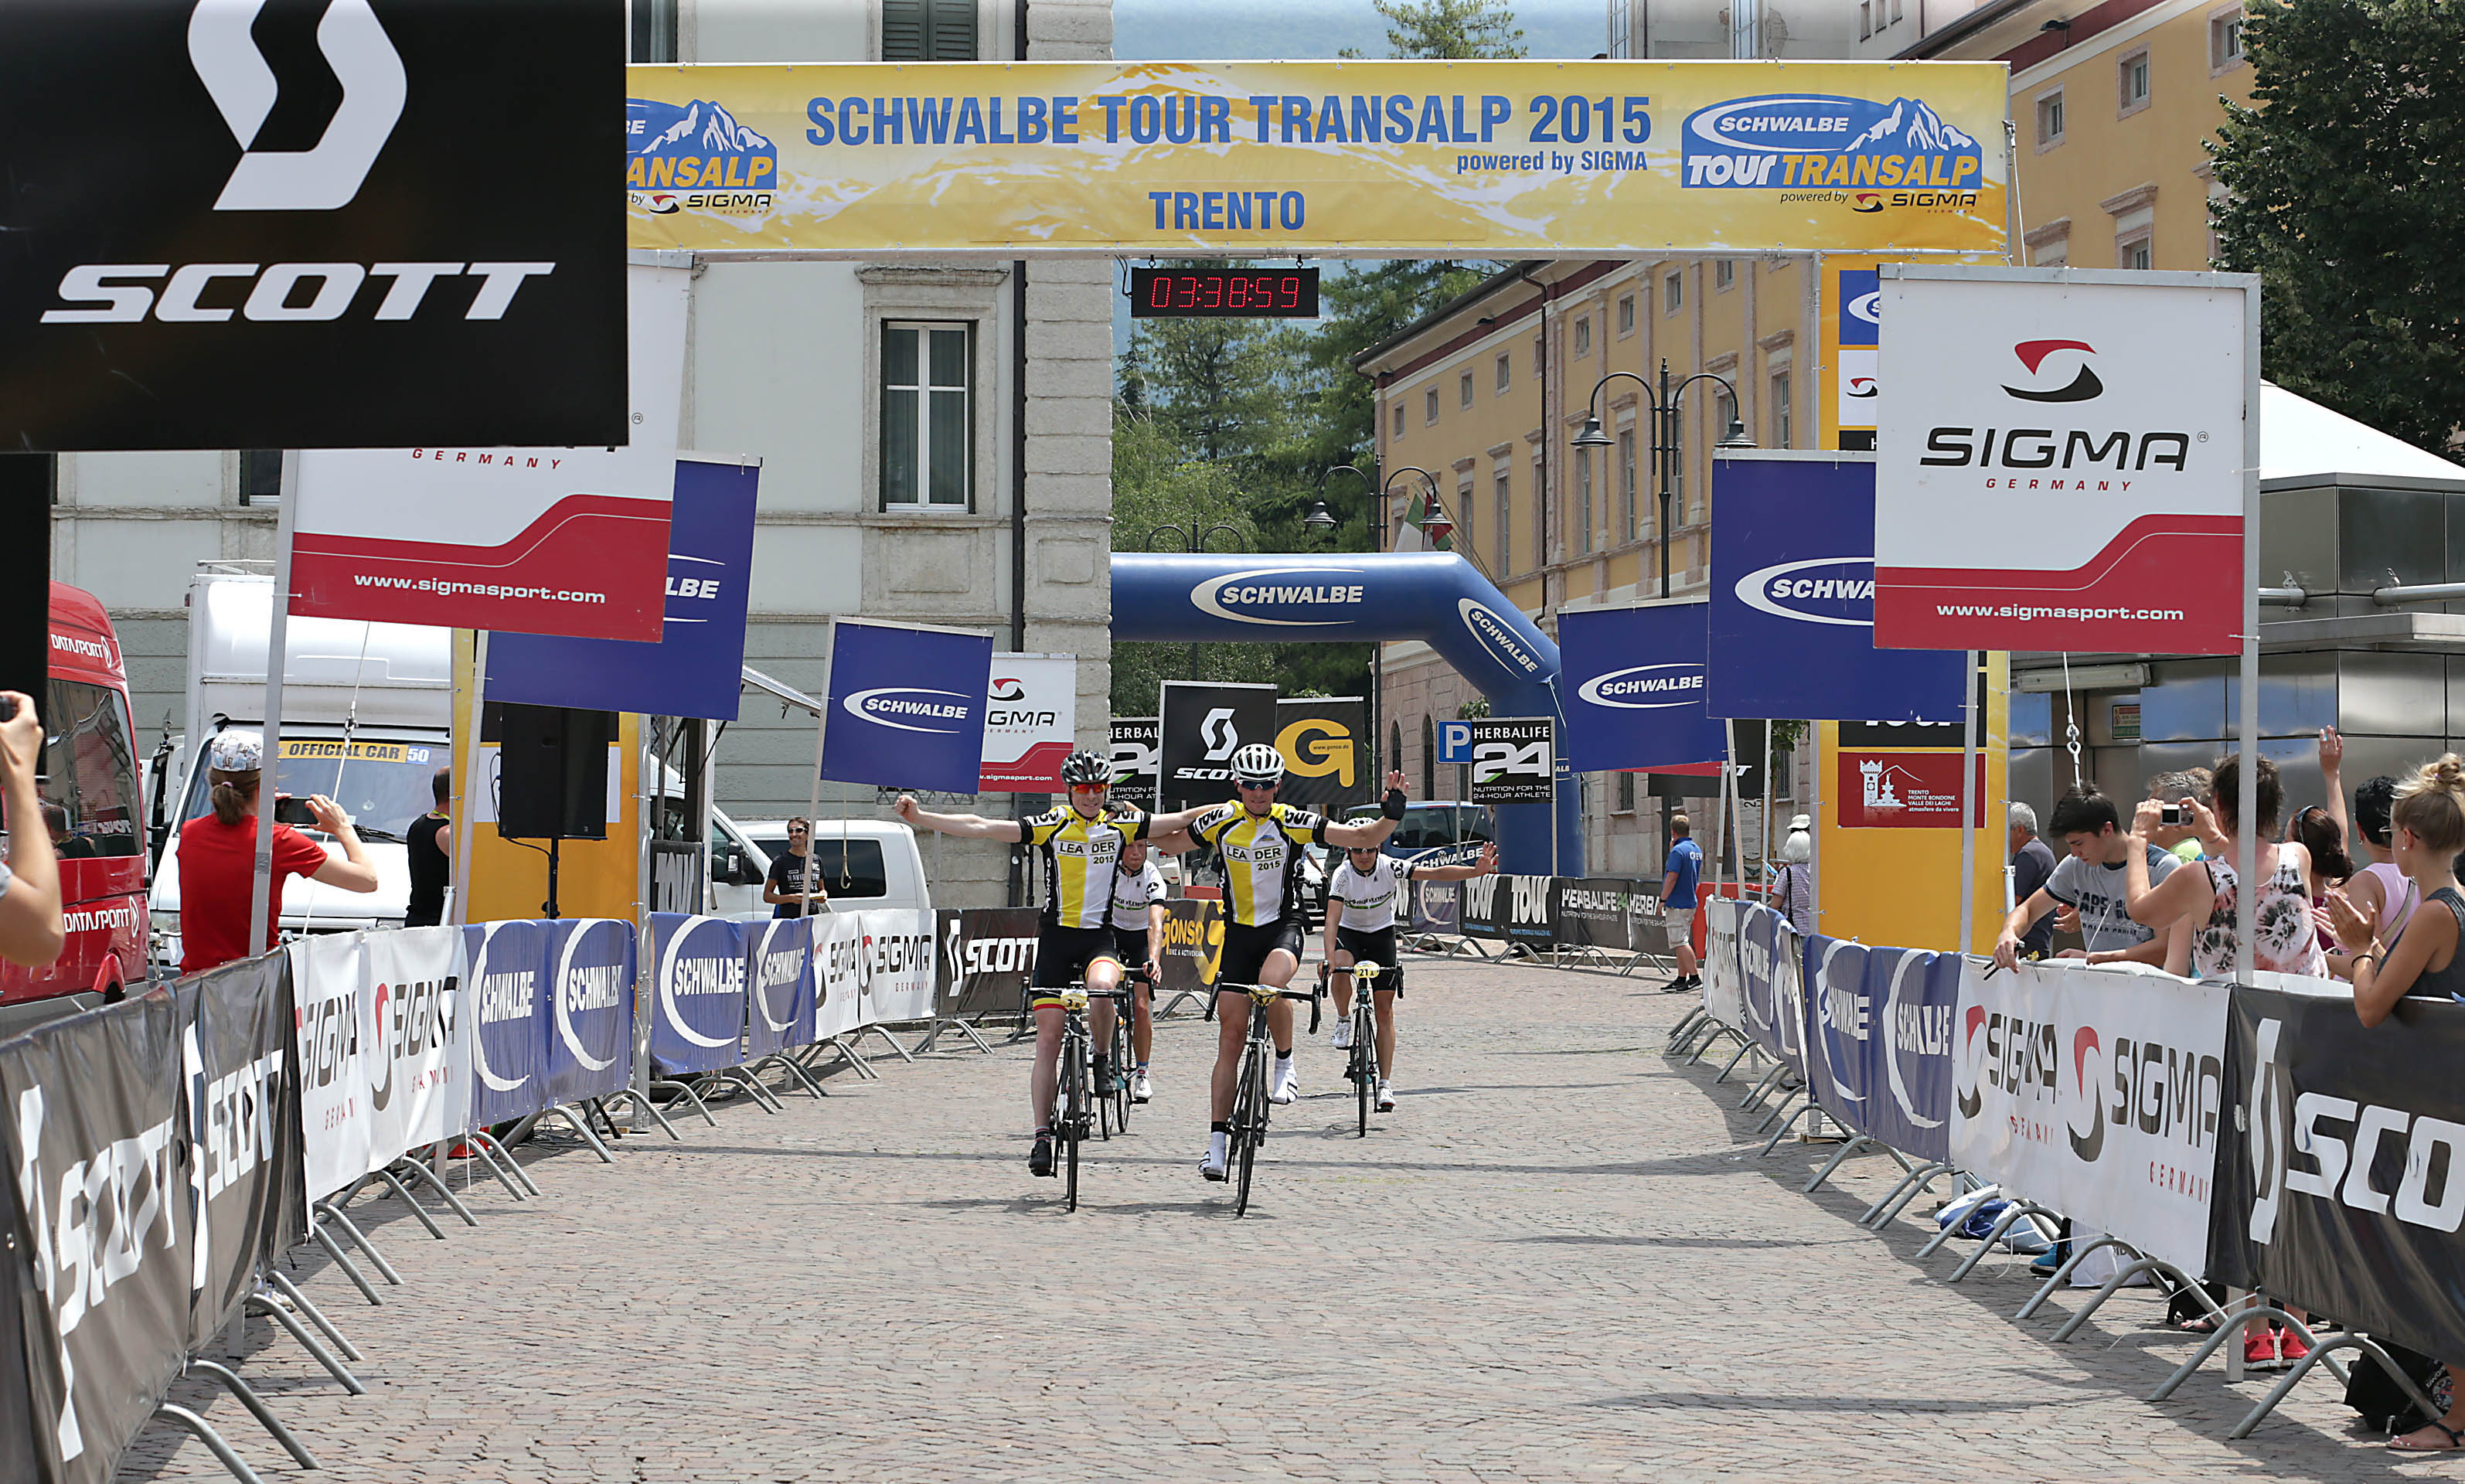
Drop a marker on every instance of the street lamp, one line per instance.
(1192, 540)
(1435, 524)
(1664, 435)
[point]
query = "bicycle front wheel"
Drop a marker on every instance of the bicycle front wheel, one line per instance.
(1365, 1070)
(1248, 1123)
(1071, 1128)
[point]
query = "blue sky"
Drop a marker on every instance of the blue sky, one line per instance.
(1219, 29)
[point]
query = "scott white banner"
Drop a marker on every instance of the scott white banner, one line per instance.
(2096, 1092)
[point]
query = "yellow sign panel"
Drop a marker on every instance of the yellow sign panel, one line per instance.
(357, 752)
(1504, 159)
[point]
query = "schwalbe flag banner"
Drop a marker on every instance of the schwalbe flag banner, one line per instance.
(1635, 687)
(906, 707)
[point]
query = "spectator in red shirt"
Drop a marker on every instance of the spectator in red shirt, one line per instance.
(219, 855)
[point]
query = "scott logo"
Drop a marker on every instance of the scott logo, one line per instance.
(2083, 383)
(1283, 588)
(911, 708)
(1221, 736)
(243, 88)
(1645, 687)
(1818, 590)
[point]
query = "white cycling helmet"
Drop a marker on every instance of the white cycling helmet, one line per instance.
(1257, 763)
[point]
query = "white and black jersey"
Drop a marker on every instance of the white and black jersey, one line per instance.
(1133, 894)
(1365, 901)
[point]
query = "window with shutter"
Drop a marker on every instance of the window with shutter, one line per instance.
(928, 31)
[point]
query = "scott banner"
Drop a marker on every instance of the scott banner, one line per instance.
(243, 1082)
(569, 540)
(2097, 1092)
(1793, 604)
(699, 1025)
(591, 967)
(1324, 741)
(696, 668)
(2127, 401)
(906, 706)
(986, 955)
(2343, 1185)
(1635, 687)
(1201, 724)
(1497, 159)
(506, 977)
(98, 1261)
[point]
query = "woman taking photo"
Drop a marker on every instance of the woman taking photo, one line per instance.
(218, 858)
(2205, 890)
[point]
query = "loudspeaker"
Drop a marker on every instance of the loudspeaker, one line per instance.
(552, 780)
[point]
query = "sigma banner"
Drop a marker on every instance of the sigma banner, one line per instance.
(1914, 996)
(562, 540)
(838, 974)
(1635, 687)
(698, 1023)
(1218, 159)
(897, 965)
(1201, 724)
(1723, 993)
(337, 1035)
(90, 1115)
(505, 977)
(591, 1007)
(2127, 401)
(778, 985)
(697, 667)
(183, 276)
(906, 706)
(1326, 745)
(1030, 722)
(2098, 1091)
(2342, 1185)
(1793, 598)
(1839, 1017)
(418, 1059)
(1136, 760)
(988, 955)
(242, 1072)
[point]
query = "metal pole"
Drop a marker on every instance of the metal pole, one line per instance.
(1664, 454)
(1969, 823)
(2247, 738)
(1814, 836)
(466, 819)
(277, 640)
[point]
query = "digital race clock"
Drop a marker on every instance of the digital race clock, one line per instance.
(1223, 292)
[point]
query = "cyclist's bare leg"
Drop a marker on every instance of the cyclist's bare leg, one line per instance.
(1142, 1023)
(1279, 971)
(1384, 1001)
(1231, 1030)
(1103, 977)
(1046, 1078)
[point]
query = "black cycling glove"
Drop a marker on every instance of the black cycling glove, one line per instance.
(1393, 806)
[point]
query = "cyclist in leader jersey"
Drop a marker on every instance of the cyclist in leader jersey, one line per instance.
(1082, 843)
(1260, 842)
(1360, 925)
(1138, 939)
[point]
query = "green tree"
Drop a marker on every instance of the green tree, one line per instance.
(1448, 30)
(2343, 185)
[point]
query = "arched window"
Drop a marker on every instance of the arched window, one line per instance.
(1428, 759)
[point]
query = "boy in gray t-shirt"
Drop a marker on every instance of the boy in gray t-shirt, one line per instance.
(2089, 880)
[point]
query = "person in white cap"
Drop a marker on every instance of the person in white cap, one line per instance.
(218, 857)
(1793, 889)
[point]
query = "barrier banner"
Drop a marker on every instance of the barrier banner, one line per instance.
(1608, 912)
(336, 1036)
(897, 965)
(2098, 1091)
(2333, 1190)
(1769, 957)
(242, 1068)
(1497, 159)
(1724, 995)
(90, 1110)
(838, 974)
(700, 984)
(590, 1006)
(419, 1059)
(778, 985)
(1193, 943)
(1915, 996)
(508, 980)
(988, 953)
(19, 1457)
(1435, 906)
(1838, 1020)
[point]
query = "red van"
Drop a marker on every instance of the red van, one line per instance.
(91, 805)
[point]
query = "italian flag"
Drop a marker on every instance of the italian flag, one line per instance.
(1425, 529)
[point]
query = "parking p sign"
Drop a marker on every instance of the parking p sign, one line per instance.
(1455, 742)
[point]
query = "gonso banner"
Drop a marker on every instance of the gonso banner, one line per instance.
(1502, 158)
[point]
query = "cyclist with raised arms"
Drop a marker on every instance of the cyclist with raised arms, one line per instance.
(1260, 842)
(1082, 843)
(1361, 899)
(1137, 918)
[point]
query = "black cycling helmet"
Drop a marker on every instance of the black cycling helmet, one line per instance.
(1257, 763)
(1085, 768)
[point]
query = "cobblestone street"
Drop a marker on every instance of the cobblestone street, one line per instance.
(1558, 1258)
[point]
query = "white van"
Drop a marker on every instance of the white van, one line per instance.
(865, 863)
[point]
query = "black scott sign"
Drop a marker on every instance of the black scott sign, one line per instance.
(1201, 726)
(339, 223)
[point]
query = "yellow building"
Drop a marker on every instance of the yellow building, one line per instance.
(2111, 105)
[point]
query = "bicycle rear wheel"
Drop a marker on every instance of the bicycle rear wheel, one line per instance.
(1248, 1123)
(1365, 1066)
(1122, 1069)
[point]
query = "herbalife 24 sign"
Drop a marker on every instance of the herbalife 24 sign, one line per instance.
(342, 223)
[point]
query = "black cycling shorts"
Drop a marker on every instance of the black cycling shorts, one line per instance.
(1369, 946)
(1130, 947)
(1246, 947)
(1062, 955)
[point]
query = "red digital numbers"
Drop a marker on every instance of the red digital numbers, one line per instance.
(1278, 292)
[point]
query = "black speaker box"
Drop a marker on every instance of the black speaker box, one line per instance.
(553, 779)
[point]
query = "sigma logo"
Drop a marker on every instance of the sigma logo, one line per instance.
(1005, 688)
(1492, 630)
(2012, 1055)
(329, 1034)
(2331, 1149)
(413, 1022)
(911, 709)
(1819, 591)
(1645, 687)
(1915, 1028)
(1807, 141)
(243, 88)
(2082, 387)
(1222, 737)
(1256, 595)
(2164, 1092)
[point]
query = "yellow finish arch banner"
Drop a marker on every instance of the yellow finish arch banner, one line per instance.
(1506, 159)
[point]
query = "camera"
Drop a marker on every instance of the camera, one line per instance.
(295, 812)
(2174, 814)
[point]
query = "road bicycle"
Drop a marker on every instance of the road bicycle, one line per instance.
(1246, 1129)
(1363, 1068)
(1113, 1112)
(1075, 1116)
